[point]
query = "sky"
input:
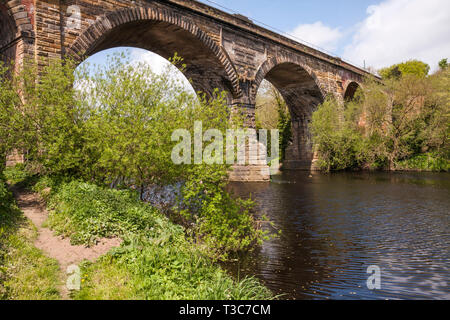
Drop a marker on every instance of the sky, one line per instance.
(374, 33)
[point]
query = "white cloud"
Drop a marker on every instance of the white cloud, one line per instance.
(318, 35)
(399, 30)
(158, 64)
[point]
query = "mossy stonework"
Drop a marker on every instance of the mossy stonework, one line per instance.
(220, 50)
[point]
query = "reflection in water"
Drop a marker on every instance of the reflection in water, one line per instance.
(335, 226)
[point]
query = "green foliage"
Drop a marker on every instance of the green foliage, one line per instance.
(155, 261)
(8, 97)
(394, 125)
(20, 175)
(163, 269)
(284, 126)
(338, 139)
(134, 115)
(273, 113)
(44, 121)
(443, 64)
(116, 124)
(424, 162)
(85, 212)
(412, 67)
(213, 216)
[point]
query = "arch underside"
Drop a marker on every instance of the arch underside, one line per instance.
(203, 67)
(302, 95)
(351, 91)
(8, 33)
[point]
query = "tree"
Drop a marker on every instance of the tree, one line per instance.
(8, 99)
(412, 67)
(337, 138)
(134, 115)
(443, 64)
(406, 120)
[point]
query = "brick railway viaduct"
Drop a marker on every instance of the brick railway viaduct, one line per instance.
(221, 50)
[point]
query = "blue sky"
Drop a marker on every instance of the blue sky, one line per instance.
(378, 33)
(286, 15)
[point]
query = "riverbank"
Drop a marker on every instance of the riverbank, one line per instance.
(156, 260)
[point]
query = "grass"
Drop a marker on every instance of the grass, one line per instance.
(156, 259)
(25, 272)
(167, 271)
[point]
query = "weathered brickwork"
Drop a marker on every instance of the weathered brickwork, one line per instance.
(220, 50)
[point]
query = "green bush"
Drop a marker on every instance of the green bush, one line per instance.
(424, 162)
(338, 140)
(400, 123)
(86, 212)
(164, 268)
(212, 215)
(120, 129)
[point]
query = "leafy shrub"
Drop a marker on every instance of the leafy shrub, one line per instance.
(214, 216)
(20, 175)
(163, 268)
(86, 212)
(339, 142)
(401, 123)
(424, 162)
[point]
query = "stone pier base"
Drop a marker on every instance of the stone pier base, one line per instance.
(250, 173)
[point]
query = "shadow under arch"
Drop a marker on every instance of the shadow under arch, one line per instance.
(165, 34)
(350, 90)
(8, 33)
(302, 93)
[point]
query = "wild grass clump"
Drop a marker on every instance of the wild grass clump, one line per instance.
(167, 268)
(86, 212)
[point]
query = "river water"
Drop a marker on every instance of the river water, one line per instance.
(333, 227)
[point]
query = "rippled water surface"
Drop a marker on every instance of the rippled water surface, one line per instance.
(335, 226)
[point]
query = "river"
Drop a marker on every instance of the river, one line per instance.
(333, 227)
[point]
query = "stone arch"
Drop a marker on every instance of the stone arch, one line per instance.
(272, 63)
(302, 92)
(214, 70)
(350, 89)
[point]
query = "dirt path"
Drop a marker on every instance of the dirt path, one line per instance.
(54, 246)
